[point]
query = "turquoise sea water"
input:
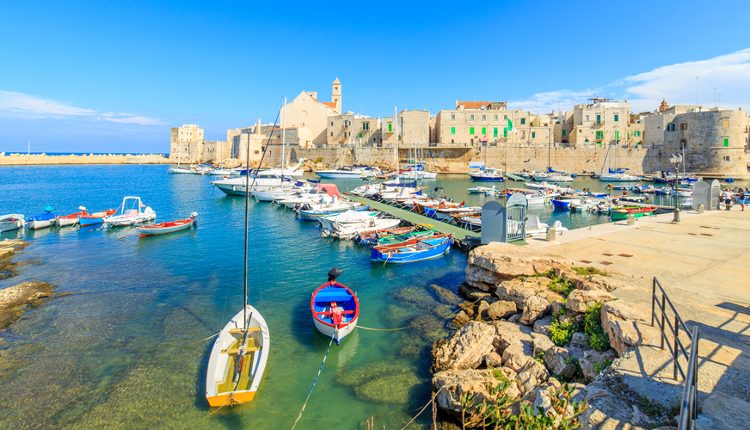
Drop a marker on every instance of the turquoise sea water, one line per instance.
(125, 347)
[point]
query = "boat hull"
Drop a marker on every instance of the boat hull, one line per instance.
(220, 389)
(323, 319)
(155, 230)
(323, 174)
(39, 224)
(482, 178)
(64, 222)
(396, 256)
(338, 334)
(621, 216)
(562, 205)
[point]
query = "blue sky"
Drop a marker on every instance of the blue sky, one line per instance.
(114, 76)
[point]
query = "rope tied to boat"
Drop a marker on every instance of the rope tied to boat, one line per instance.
(315, 381)
(432, 400)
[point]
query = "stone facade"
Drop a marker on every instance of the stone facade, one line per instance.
(473, 122)
(350, 128)
(601, 122)
(185, 144)
(310, 116)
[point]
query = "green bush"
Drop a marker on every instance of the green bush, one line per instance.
(588, 271)
(592, 326)
(561, 332)
(601, 365)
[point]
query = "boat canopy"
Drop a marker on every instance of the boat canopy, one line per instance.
(330, 189)
(476, 165)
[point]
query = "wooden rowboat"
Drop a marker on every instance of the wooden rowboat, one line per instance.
(238, 359)
(335, 310)
(72, 219)
(167, 227)
(621, 213)
(95, 218)
(413, 250)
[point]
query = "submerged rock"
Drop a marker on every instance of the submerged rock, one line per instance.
(445, 295)
(8, 249)
(15, 300)
(394, 388)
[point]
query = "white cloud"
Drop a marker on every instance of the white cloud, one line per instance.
(19, 105)
(723, 80)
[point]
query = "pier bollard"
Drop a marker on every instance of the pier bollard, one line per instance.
(701, 209)
(631, 219)
(551, 234)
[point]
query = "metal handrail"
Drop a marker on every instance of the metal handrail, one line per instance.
(674, 327)
(689, 405)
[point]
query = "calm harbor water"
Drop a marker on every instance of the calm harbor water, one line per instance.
(124, 344)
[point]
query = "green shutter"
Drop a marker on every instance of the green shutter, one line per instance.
(471, 131)
(617, 135)
(726, 142)
(564, 133)
(484, 131)
(390, 127)
(510, 125)
(505, 132)
(494, 132)
(453, 130)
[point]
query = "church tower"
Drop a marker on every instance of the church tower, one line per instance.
(336, 94)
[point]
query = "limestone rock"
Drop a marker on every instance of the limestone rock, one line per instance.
(465, 349)
(580, 300)
(542, 325)
(472, 294)
(541, 344)
(490, 264)
(16, 299)
(509, 333)
(482, 309)
(493, 359)
(625, 325)
(559, 363)
(452, 385)
(627, 311)
(534, 308)
(593, 361)
(531, 375)
(733, 411)
(445, 295)
(519, 290)
(499, 310)
(461, 319)
(515, 357)
(579, 340)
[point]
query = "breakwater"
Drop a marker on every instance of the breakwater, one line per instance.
(50, 159)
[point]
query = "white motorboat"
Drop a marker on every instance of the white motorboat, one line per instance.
(342, 173)
(11, 222)
(618, 177)
(552, 177)
(484, 190)
(314, 211)
(181, 170)
(417, 174)
(236, 186)
(223, 172)
(131, 212)
(349, 224)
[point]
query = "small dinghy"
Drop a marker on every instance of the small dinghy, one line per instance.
(42, 220)
(132, 211)
(621, 213)
(95, 218)
(72, 219)
(334, 308)
(413, 250)
(167, 227)
(11, 222)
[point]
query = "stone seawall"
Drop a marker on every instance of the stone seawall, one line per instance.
(42, 159)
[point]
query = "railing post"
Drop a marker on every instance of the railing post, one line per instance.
(663, 333)
(674, 350)
(653, 300)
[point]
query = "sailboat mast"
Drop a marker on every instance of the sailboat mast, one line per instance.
(283, 141)
(247, 234)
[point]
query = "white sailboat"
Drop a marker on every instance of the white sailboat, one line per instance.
(240, 352)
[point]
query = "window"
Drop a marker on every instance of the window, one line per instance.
(453, 116)
(637, 133)
(533, 134)
(494, 130)
(683, 126)
(564, 133)
(471, 130)
(365, 126)
(505, 117)
(484, 131)
(471, 117)
(484, 117)
(523, 121)
(599, 135)
(617, 134)
(390, 127)
(598, 119)
(331, 123)
(453, 130)
(727, 158)
(495, 117)
(725, 123)
(725, 142)
(331, 133)
(670, 127)
(617, 117)
(505, 132)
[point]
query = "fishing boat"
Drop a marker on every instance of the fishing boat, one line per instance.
(95, 218)
(395, 237)
(240, 352)
(167, 227)
(371, 237)
(334, 308)
(11, 222)
(412, 251)
(487, 174)
(315, 211)
(349, 224)
(621, 213)
(71, 219)
(132, 211)
(42, 220)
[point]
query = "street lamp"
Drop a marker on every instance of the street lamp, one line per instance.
(676, 160)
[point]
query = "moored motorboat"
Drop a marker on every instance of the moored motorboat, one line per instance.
(334, 308)
(622, 212)
(10, 222)
(95, 218)
(167, 227)
(487, 175)
(132, 211)
(71, 219)
(42, 220)
(413, 250)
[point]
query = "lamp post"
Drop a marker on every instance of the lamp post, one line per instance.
(676, 160)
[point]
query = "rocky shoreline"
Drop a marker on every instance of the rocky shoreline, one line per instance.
(536, 343)
(17, 299)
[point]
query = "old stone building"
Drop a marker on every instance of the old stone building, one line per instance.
(412, 128)
(714, 141)
(309, 116)
(353, 129)
(492, 122)
(600, 122)
(655, 124)
(185, 144)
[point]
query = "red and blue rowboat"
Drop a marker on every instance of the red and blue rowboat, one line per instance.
(167, 227)
(335, 310)
(413, 250)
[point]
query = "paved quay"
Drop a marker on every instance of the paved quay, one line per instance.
(703, 263)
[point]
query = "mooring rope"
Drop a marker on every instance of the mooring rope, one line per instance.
(432, 399)
(315, 381)
(382, 329)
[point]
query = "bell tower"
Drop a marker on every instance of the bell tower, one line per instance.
(336, 94)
